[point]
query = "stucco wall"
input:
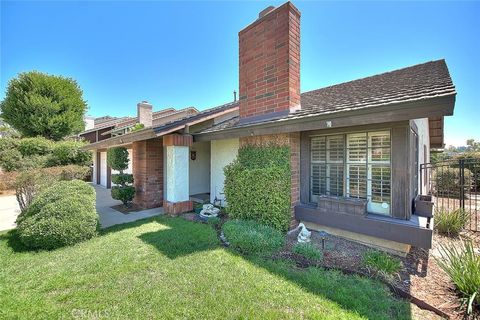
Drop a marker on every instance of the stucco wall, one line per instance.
(177, 173)
(223, 152)
(200, 168)
(94, 171)
(423, 145)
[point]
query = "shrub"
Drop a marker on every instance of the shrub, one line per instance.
(29, 183)
(61, 215)
(307, 250)
(7, 180)
(10, 159)
(447, 182)
(381, 262)
(123, 193)
(69, 152)
(122, 178)
(117, 158)
(38, 146)
(450, 223)
(463, 267)
(257, 185)
(250, 237)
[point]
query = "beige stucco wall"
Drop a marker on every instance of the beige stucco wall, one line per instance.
(223, 152)
(200, 168)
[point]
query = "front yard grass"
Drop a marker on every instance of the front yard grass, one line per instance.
(172, 268)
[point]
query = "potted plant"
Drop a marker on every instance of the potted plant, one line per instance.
(424, 206)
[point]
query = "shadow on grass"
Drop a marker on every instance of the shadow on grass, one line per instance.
(367, 297)
(181, 238)
(13, 241)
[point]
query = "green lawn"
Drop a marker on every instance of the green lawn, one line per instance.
(171, 268)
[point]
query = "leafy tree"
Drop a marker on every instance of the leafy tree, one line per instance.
(39, 104)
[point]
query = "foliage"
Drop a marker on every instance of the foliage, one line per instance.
(450, 223)
(214, 221)
(257, 185)
(381, 262)
(31, 153)
(137, 127)
(250, 237)
(447, 181)
(70, 152)
(122, 178)
(7, 180)
(117, 158)
(39, 104)
(462, 265)
(29, 183)
(307, 250)
(35, 146)
(123, 193)
(165, 258)
(61, 215)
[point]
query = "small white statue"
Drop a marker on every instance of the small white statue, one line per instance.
(304, 235)
(208, 211)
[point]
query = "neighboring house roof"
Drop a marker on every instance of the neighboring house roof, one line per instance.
(419, 82)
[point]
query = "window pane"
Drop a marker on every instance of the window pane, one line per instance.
(335, 180)
(318, 179)
(357, 147)
(379, 145)
(317, 147)
(357, 181)
(335, 146)
(381, 184)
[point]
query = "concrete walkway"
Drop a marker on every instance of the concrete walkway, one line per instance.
(109, 217)
(9, 211)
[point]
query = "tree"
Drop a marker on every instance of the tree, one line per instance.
(117, 159)
(39, 104)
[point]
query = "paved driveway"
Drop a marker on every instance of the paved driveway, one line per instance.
(109, 217)
(9, 211)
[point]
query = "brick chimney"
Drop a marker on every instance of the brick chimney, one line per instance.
(270, 64)
(144, 113)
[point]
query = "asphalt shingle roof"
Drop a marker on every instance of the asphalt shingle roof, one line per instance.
(418, 82)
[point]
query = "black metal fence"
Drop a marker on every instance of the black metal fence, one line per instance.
(454, 184)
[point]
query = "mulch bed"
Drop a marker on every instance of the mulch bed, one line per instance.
(126, 210)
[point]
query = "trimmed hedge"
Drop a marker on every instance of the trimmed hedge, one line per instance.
(35, 146)
(62, 215)
(250, 237)
(69, 152)
(257, 185)
(117, 158)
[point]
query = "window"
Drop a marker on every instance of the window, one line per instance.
(353, 165)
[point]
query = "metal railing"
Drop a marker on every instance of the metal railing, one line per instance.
(454, 184)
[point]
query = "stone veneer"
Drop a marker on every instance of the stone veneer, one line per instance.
(148, 172)
(285, 139)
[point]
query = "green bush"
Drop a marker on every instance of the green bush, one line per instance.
(61, 215)
(381, 262)
(10, 159)
(307, 250)
(29, 183)
(463, 268)
(257, 186)
(69, 152)
(450, 223)
(123, 193)
(250, 237)
(117, 158)
(38, 146)
(447, 182)
(122, 178)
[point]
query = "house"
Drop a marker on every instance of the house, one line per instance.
(354, 144)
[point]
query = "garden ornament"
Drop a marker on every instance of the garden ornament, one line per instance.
(208, 211)
(304, 235)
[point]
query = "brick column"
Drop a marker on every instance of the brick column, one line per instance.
(285, 139)
(148, 172)
(177, 148)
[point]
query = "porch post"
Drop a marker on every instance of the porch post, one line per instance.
(177, 149)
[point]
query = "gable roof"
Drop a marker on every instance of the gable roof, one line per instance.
(419, 82)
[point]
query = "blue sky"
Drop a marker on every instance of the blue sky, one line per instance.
(178, 54)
